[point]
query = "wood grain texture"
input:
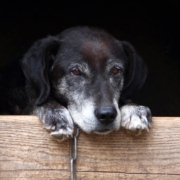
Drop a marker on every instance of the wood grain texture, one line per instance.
(28, 152)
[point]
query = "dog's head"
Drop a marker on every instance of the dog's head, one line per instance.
(88, 71)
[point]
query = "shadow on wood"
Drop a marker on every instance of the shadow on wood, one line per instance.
(28, 152)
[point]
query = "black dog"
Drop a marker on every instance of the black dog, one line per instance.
(83, 76)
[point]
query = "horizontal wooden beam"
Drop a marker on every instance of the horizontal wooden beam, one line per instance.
(28, 152)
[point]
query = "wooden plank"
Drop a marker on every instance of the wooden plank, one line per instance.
(27, 151)
(64, 175)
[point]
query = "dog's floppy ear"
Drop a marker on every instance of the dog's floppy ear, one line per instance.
(36, 64)
(136, 71)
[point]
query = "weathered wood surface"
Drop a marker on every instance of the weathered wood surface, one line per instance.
(28, 152)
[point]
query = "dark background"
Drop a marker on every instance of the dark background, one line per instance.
(152, 27)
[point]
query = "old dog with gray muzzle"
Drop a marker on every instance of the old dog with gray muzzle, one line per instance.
(82, 76)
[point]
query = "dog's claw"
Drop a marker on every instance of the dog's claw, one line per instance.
(62, 134)
(49, 128)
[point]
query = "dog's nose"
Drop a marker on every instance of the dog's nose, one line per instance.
(106, 115)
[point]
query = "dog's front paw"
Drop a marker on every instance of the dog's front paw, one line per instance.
(58, 121)
(136, 118)
(63, 125)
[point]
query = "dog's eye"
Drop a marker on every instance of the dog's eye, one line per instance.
(76, 71)
(115, 70)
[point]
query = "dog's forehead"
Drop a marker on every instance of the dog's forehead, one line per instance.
(94, 46)
(96, 51)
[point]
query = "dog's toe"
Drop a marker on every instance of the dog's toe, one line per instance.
(62, 134)
(136, 118)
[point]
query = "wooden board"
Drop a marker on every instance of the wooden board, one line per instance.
(28, 152)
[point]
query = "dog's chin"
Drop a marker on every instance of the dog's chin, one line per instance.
(103, 132)
(99, 132)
